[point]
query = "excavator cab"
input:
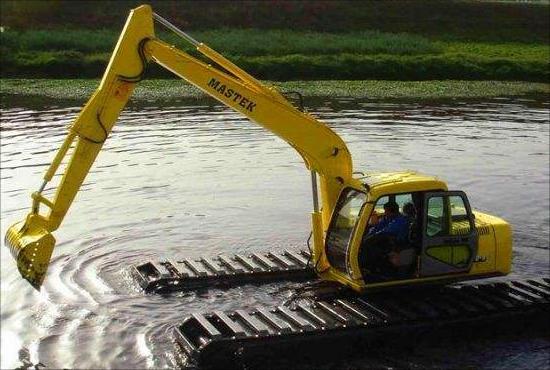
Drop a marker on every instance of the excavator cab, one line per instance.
(434, 235)
(439, 237)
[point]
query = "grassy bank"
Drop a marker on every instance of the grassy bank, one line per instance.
(288, 55)
(164, 90)
(295, 40)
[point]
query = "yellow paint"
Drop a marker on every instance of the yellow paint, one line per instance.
(499, 252)
(453, 255)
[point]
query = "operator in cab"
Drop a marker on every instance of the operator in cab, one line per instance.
(393, 224)
(383, 238)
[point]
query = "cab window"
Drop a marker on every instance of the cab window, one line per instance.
(342, 225)
(401, 199)
(460, 221)
(436, 217)
(447, 216)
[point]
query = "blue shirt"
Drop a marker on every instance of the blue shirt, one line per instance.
(397, 227)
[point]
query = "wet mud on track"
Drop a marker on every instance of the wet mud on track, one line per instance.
(194, 180)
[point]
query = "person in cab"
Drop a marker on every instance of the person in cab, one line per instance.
(393, 224)
(383, 238)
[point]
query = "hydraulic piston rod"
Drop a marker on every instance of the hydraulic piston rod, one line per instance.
(314, 191)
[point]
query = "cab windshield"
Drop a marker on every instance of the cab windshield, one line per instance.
(342, 225)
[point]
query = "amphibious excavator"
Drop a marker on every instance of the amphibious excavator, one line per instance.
(369, 232)
(446, 240)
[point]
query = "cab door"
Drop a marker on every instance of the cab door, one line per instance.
(449, 237)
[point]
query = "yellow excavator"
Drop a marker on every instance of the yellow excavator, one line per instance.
(439, 238)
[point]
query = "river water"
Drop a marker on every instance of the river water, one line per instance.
(194, 178)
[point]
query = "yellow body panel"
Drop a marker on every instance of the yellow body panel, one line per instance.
(495, 245)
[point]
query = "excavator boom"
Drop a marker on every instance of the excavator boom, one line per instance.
(324, 153)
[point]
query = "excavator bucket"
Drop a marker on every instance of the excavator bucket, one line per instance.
(31, 245)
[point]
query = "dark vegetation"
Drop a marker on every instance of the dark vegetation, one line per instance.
(280, 40)
(464, 20)
(169, 91)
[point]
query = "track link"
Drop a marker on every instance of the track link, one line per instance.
(219, 337)
(183, 274)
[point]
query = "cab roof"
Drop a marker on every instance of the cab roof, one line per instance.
(403, 181)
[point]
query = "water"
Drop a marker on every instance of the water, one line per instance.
(197, 179)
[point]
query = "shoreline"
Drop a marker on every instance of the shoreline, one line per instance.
(80, 90)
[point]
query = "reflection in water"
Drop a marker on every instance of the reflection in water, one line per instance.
(201, 180)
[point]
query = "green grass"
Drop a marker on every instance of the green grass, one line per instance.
(244, 42)
(507, 50)
(252, 42)
(166, 90)
(288, 55)
(390, 67)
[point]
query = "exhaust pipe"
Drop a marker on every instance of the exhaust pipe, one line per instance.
(31, 245)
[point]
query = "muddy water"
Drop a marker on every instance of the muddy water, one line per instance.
(197, 179)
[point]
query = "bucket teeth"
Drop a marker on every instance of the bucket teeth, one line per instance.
(32, 249)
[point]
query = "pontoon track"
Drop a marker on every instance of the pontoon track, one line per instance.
(225, 337)
(170, 276)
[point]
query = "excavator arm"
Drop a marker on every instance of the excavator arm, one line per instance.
(31, 241)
